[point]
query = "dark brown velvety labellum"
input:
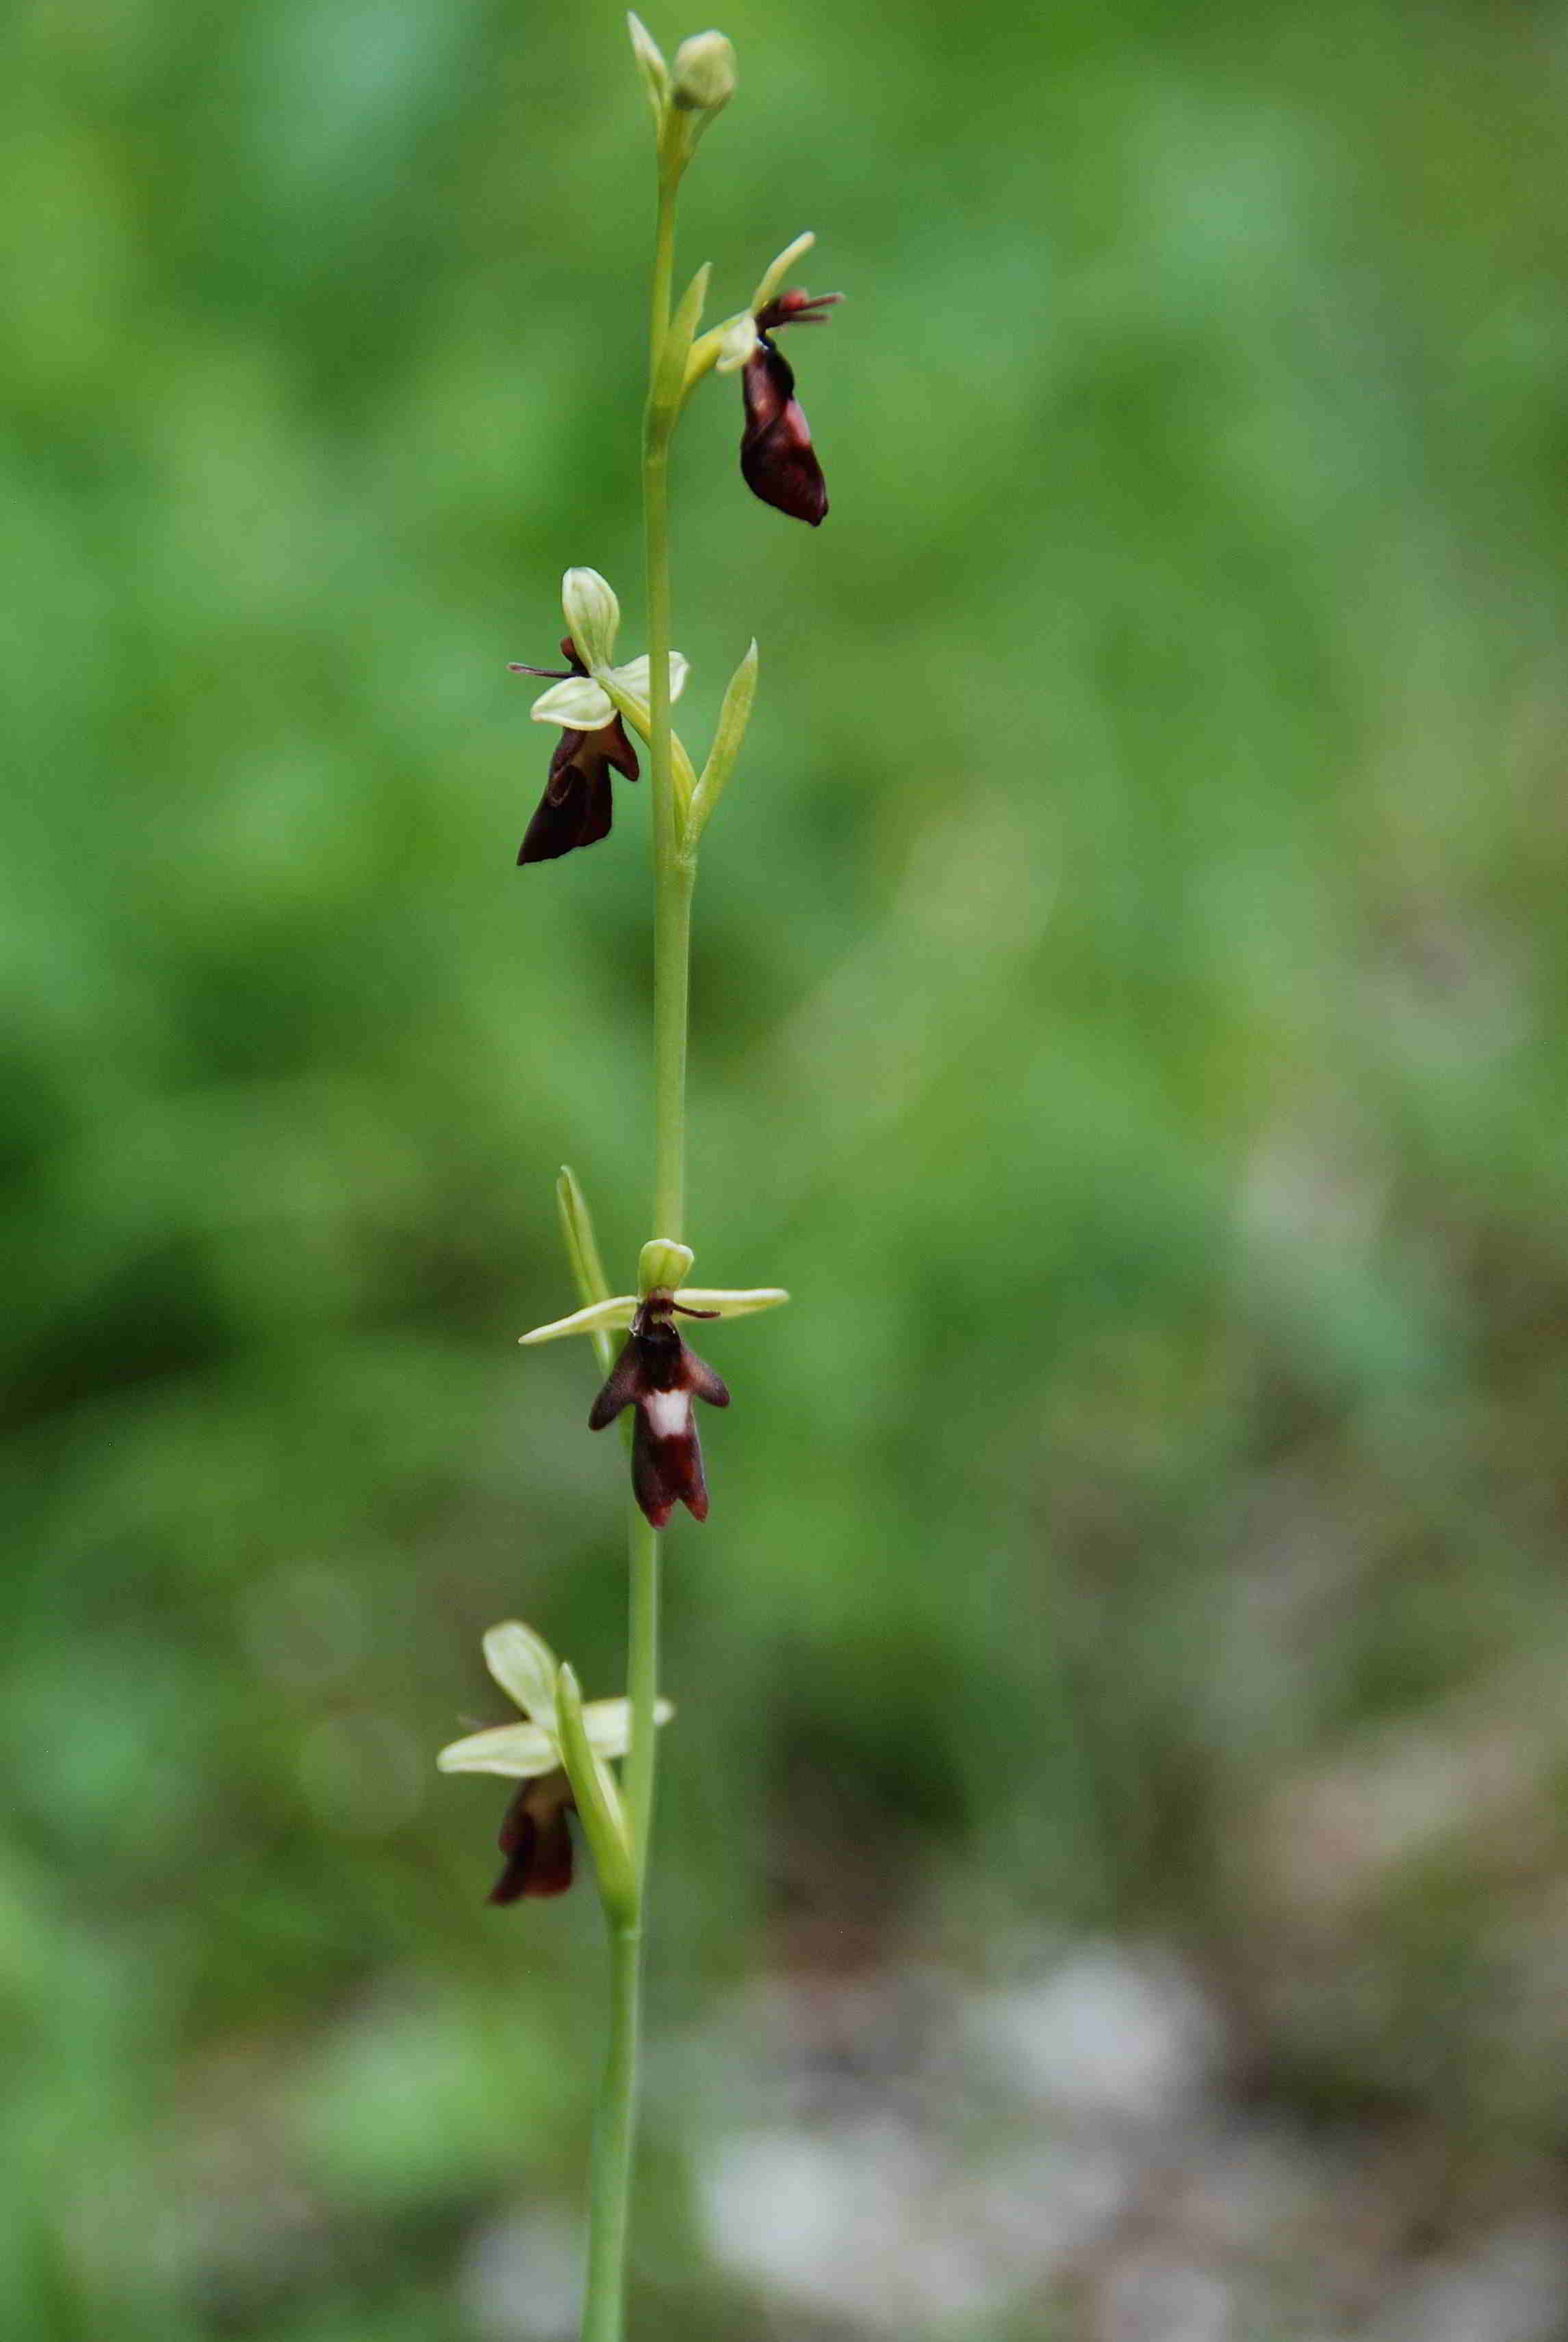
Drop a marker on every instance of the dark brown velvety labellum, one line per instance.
(575, 808)
(660, 1376)
(536, 1840)
(778, 462)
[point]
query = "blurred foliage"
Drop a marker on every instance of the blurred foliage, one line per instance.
(1129, 988)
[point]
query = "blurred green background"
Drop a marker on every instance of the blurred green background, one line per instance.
(1114, 1853)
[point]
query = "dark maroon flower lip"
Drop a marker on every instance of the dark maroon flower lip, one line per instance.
(577, 807)
(536, 1840)
(778, 460)
(659, 1375)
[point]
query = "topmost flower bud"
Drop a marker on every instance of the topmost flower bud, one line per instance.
(705, 73)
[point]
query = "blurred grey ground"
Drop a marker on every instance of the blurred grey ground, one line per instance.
(1112, 1839)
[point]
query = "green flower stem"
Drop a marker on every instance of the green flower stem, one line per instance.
(614, 2137)
(643, 1543)
(672, 872)
(664, 265)
(672, 963)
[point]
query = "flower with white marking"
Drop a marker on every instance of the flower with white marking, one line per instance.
(658, 1374)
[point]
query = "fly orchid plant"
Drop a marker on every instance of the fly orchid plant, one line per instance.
(561, 1754)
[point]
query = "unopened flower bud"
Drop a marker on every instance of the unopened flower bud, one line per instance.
(705, 73)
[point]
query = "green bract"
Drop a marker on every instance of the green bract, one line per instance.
(651, 63)
(734, 717)
(583, 1252)
(598, 1802)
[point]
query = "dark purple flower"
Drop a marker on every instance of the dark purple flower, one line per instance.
(660, 1376)
(536, 1839)
(575, 808)
(778, 460)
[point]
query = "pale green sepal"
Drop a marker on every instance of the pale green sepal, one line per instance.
(737, 343)
(526, 1668)
(774, 275)
(600, 1316)
(734, 717)
(579, 703)
(669, 381)
(608, 1724)
(661, 1265)
(520, 1751)
(598, 1804)
(582, 1253)
(593, 615)
(633, 679)
(725, 347)
(651, 63)
(723, 1302)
